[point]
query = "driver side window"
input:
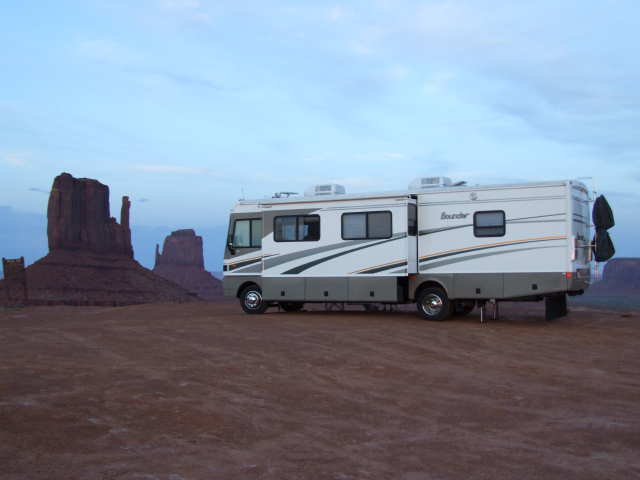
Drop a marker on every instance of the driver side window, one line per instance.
(247, 233)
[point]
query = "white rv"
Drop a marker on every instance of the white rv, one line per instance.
(445, 247)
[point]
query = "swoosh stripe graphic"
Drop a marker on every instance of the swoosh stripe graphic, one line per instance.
(249, 261)
(448, 253)
(302, 268)
(254, 268)
(480, 255)
(310, 251)
(382, 268)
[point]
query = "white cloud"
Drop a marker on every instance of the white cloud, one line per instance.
(336, 13)
(190, 9)
(437, 82)
(180, 4)
(106, 51)
(397, 72)
(14, 160)
(173, 169)
(379, 157)
(361, 48)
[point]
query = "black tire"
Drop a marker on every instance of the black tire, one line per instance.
(463, 307)
(433, 304)
(291, 306)
(251, 300)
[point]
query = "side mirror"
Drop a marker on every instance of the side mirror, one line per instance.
(232, 250)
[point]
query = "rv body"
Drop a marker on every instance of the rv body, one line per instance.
(470, 244)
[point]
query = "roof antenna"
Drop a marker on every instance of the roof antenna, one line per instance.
(241, 193)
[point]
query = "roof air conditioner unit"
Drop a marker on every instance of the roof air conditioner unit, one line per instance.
(429, 182)
(325, 189)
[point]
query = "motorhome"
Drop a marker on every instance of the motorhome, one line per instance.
(447, 247)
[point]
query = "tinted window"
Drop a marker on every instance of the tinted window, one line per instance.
(296, 228)
(285, 229)
(247, 233)
(489, 224)
(256, 233)
(309, 228)
(379, 224)
(354, 226)
(357, 226)
(242, 233)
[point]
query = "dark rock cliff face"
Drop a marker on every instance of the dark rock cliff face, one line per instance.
(621, 276)
(78, 218)
(182, 247)
(90, 260)
(182, 261)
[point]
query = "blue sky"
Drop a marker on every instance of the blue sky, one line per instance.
(185, 105)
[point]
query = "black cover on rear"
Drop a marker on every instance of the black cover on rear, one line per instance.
(603, 246)
(602, 214)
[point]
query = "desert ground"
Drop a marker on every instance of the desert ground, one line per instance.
(203, 391)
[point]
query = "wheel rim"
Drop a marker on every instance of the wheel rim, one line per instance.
(432, 304)
(253, 299)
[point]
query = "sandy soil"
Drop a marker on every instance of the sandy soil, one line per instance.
(201, 391)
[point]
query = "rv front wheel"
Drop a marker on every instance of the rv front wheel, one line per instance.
(433, 304)
(251, 300)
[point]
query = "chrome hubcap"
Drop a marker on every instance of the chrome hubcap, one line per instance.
(432, 304)
(252, 299)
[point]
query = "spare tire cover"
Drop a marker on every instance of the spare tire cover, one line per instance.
(603, 246)
(602, 214)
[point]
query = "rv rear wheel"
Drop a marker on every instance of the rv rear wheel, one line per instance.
(291, 306)
(433, 304)
(251, 300)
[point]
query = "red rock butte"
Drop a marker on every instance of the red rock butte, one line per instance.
(182, 261)
(79, 220)
(621, 277)
(90, 260)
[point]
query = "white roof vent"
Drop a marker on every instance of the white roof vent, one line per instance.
(325, 189)
(429, 182)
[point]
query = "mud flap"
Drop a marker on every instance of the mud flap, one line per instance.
(555, 306)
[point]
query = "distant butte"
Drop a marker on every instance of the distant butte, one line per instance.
(621, 276)
(182, 261)
(90, 260)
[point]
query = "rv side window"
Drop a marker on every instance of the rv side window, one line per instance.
(296, 228)
(489, 224)
(247, 233)
(369, 225)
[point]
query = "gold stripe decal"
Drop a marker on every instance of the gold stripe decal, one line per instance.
(497, 244)
(377, 266)
(249, 259)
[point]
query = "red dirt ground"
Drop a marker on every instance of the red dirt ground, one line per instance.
(202, 391)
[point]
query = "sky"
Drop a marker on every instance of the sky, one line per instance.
(188, 105)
